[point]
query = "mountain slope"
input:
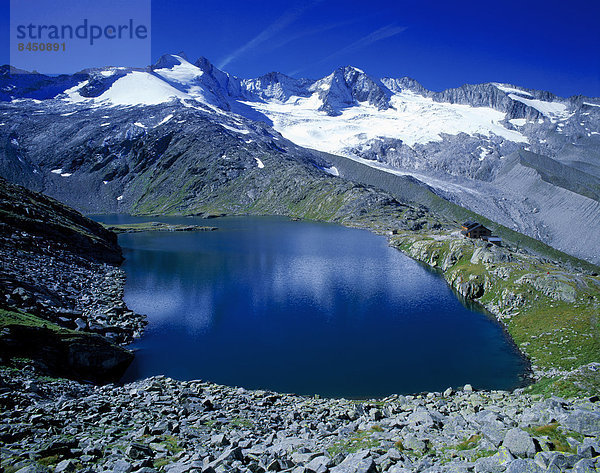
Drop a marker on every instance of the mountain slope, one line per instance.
(178, 159)
(461, 143)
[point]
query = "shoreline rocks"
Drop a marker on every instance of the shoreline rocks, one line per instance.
(160, 424)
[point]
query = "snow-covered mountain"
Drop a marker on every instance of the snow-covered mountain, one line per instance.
(525, 158)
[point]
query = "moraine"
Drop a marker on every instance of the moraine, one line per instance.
(303, 307)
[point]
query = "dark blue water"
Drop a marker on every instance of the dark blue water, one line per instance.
(303, 307)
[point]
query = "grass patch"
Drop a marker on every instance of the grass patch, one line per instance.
(469, 443)
(49, 461)
(239, 422)
(172, 444)
(160, 463)
(573, 385)
(8, 318)
(556, 436)
(483, 454)
(362, 440)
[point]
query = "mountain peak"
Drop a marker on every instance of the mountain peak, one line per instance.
(168, 61)
(348, 85)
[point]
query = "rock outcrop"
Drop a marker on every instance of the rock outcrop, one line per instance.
(61, 289)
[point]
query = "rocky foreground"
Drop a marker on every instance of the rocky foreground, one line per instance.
(160, 424)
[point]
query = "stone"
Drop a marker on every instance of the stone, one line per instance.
(448, 392)
(360, 462)
(122, 466)
(583, 421)
(319, 464)
(589, 449)
(421, 418)
(468, 388)
(543, 459)
(585, 465)
(219, 440)
(504, 456)
(519, 443)
(563, 461)
(376, 414)
(65, 466)
(180, 467)
(398, 469)
(33, 469)
(523, 466)
(80, 323)
(488, 465)
(411, 442)
(137, 451)
(230, 454)
(493, 432)
(303, 458)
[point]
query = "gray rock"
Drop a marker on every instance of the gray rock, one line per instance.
(138, 451)
(421, 418)
(33, 469)
(398, 469)
(359, 462)
(523, 466)
(468, 388)
(519, 443)
(303, 458)
(230, 453)
(584, 421)
(563, 461)
(503, 456)
(493, 432)
(319, 464)
(585, 465)
(588, 449)
(488, 465)
(543, 459)
(180, 467)
(122, 466)
(412, 442)
(219, 440)
(65, 466)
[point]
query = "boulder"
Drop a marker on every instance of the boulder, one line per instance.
(583, 421)
(360, 462)
(519, 443)
(523, 466)
(65, 466)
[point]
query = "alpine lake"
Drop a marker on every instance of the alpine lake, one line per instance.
(303, 307)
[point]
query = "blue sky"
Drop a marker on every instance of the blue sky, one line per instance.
(550, 45)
